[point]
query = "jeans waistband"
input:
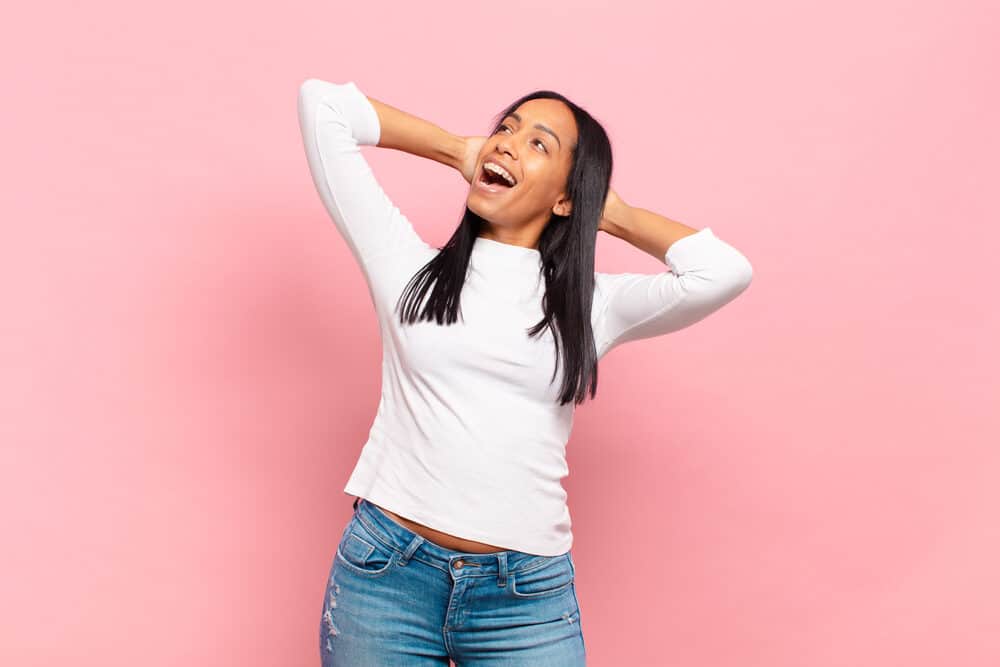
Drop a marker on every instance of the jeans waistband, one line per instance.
(404, 540)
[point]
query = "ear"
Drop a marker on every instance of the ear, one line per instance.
(562, 207)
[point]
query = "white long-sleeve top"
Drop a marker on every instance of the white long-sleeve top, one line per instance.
(469, 437)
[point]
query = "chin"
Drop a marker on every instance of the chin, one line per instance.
(475, 204)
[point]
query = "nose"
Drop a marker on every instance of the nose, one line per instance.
(503, 148)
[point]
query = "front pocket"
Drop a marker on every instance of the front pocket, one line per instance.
(361, 556)
(551, 578)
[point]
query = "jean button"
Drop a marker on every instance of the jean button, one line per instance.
(458, 564)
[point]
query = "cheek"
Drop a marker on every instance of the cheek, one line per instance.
(544, 180)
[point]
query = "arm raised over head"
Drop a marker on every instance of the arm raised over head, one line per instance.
(704, 274)
(336, 119)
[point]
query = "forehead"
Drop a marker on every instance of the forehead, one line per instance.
(551, 113)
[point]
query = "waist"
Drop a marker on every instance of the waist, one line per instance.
(444, 540)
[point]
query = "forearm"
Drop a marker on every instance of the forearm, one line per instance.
(406, 132)
(644, 229)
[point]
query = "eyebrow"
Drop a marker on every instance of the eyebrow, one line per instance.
(541, 127)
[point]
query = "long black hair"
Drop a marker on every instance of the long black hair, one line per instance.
(567, 249)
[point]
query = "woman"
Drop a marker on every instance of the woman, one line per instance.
(459, 545)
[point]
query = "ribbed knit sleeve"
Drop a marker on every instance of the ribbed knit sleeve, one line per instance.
(336, 120)
(705, 273)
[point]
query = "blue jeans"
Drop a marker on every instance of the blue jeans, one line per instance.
(395, 598)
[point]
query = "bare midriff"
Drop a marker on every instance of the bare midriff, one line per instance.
(445, 540)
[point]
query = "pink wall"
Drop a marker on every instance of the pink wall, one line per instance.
(190, 360)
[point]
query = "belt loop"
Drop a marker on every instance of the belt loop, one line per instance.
(502, 574)
(410, 548)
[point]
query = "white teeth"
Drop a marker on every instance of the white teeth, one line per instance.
(497, 169)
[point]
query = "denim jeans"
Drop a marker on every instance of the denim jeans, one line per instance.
(395, 598)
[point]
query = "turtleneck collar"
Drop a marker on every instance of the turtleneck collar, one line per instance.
(496, 253)
(518, 265)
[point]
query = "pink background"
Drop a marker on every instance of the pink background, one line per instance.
(190, 360)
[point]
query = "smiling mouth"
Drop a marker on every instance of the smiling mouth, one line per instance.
(492, 182)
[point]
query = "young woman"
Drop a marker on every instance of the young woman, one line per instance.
(459, 544)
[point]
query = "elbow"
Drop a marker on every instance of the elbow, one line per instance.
(306, 88)
(305, 93)
(725, 284)
(735, 272)
(738, 279)
(308, 84)
(743, 273)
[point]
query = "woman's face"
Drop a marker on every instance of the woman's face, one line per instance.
(535, 145)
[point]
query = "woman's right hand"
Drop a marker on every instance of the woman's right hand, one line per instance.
(471, 156)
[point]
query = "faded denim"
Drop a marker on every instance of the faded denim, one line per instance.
(394, 598)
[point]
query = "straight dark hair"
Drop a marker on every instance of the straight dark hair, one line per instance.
(567, 248)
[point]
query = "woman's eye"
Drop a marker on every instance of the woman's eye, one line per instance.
(540, 142)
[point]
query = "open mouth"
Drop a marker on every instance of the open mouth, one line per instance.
(491, 180)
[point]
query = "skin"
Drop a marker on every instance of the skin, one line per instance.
(538, 160)
(446, 540)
